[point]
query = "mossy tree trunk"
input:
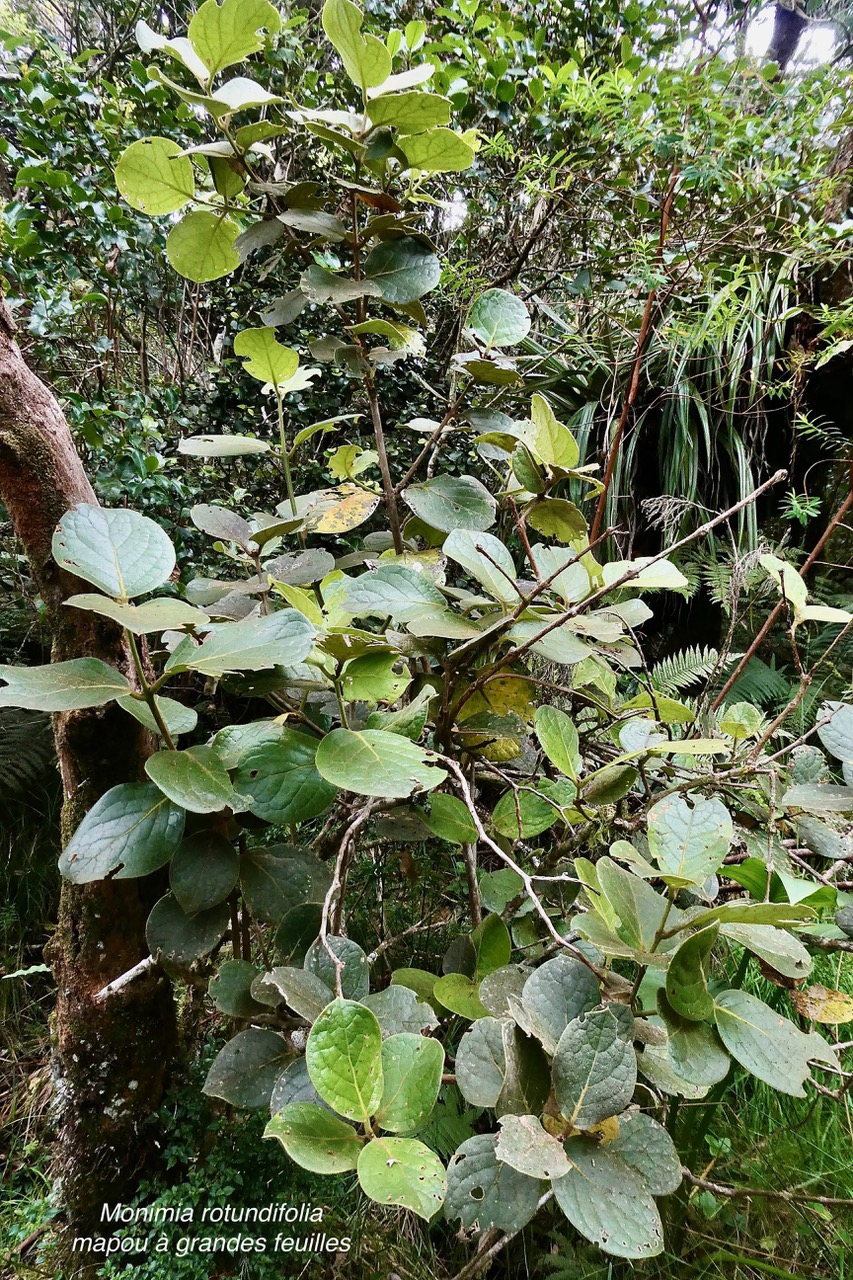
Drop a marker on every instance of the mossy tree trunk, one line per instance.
(112, 1059)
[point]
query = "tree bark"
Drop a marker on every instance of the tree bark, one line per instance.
(111, 1060)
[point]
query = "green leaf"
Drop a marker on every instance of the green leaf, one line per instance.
(658, 576)
(819, 799)
(404, 1172)
(203, 871)
(131, 831)
(524, 814)
(344, 1058)
(525, 1146)
(459, 994)
(448, 819)
(195, 779)
(610, 785)
(558, 738)
(282, 638)
(486, 559)
(788, 581)
(646, 1147)
(201, 246)
(304, 992)
(263, 357)
(223, 34)
(485, 1192)
(557, 518)
(321, 285)
(689, 842)
(403, 269)
(355, 974)
(177, 718)
(409, 112)
(166, 614)
(452, 503)
(492, 946)
(497, 988)
(315, 1139)
(640, 908)
(497, 1066)
(376, 763)
(740, 911)
(392, 590)
(375, 677)
(411, 1068)
(608, 1202)
(398, 1009)
(594, 1069)
(62, 686)
(366, 60)
(437, 151)
(276, 878)
(548, 439)
(294, 1085)
(687, 976)
(221, 446)
(835, 729)
(119, 551)
(230, 989)
(783, 952)
(741, 720)
(178, 939)
(280, 779)
(694, 1048)
(245, 1070)
(154, 177)
(554, 995)
(499, 319)
(768, 1045)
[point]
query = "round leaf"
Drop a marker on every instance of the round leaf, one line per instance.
(129, 832)
(276, 878)
(355, 975)
(411, 1067)
(499, 319)
(404, 1172)
(280, 780)
(608, 1203)
(344, 1058)
(483, 1192)
(203, 871)
(195, 779)
(314, 1138)
(201, 246)
(154, 177)
(245, 1070)
(180, 939)
(452, 502)
(404, 269)
(595, 1069)
(120, 552)
(376, 763)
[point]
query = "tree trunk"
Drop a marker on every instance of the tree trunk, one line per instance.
(111, 1060)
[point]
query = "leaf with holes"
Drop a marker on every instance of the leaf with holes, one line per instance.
(608, 1202)
(525, 1146)
(130, 831)
(484, 1192)
(120, 552)
(404, 1172)
(452, 502)
(344, 1058)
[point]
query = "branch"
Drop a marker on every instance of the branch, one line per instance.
(124, 980)
(749, 1193)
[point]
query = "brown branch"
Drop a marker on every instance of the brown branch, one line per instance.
(752, 1193)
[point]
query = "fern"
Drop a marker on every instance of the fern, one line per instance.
(26, 752)
(681, 670)
(761, 683)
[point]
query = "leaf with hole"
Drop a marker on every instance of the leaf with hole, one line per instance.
(279, 778)
(608, 1202)
(527, 1147)
(484, 1192)
(449, 503)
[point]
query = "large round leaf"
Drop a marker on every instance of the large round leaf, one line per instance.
(608, 1202)
(555, 994)
(195, 779)
(264, 357)
(404, 269)
(245, 1070)
(411, 1068)
(437, 151)
(203, 871)
(398, 1009)
(452, 502)
(344, 1057)
(222, 34)
(180, 939)
(231, 989)
(315, 1138)
(376, 763)
(62, 686)
(129, 832)
(282, 638)
(355, 973)
(201, 246)
(595, 1069)
(483, 1192)
(499, 319)
(276, 878)
(404, 1172)
(689, 842)
(525, 1145)
(154, 177)
(281, 781)
(120, 552)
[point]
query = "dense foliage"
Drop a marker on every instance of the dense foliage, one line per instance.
(427, 635)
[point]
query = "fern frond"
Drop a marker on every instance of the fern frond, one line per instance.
(26, 752)
(761, 683)
(681, 670)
